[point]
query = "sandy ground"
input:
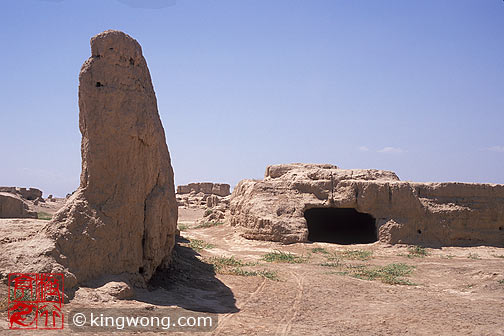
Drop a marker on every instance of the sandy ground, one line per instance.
(48, 207)
(450, 291)
(456, 291)
(189, 216)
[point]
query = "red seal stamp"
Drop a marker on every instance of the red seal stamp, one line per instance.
(36, 301)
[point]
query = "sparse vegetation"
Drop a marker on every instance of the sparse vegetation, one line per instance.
(331, 264)
(390, 274)
(337, 272)
(448, 256)
(320, 250)
(44, 215)
(240, 272)
(417, 252)
(198, 245)
(356, 254)
(233, 266)
(498, 256)
(501, 281)
(222, 262)
(474, 256)
(272, 275)
(208, 224)
(283, 257)
(183, 227)
(208, 212)
(362, 255)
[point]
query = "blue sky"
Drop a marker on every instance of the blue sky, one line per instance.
(416, 87)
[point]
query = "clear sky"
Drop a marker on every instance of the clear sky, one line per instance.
(416, 87)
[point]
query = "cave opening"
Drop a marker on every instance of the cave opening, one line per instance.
(340, 226)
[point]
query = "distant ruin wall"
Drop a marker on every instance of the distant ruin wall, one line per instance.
(29, 194)
(219, 189)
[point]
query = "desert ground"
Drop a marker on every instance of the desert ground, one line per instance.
(266, 288)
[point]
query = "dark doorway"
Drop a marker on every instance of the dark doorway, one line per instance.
(340, 226)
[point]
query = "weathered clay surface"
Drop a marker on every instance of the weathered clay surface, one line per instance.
(204, 195)
(29, 194)
(219, 189)
(405, 212)
(13, 206)
(122, 218)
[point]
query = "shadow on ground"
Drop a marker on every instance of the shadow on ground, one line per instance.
(189, 283)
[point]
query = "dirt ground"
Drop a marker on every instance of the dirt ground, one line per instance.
(48, 207)
(325, 289)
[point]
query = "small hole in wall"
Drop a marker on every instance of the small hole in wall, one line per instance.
(501, 228)
(141, 270)
(98, 84)
(132, 61)
(111, 48)
(419, 231)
